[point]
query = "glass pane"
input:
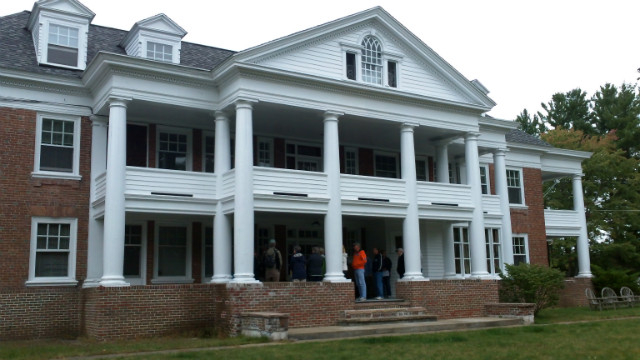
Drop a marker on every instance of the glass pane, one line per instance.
(52, 243)
(50, 264)
(65, 229)
(64, 243)
(132, 260)
(172, 261)
(55, 158)
(42, 229)
(41, 242)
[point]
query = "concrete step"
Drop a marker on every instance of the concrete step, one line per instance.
(388, 315)
(381, 304)
(339, 332)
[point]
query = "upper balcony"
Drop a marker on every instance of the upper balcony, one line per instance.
(560, 223)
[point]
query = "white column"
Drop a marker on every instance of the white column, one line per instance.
(584, 262)
(476, 227)
(500, 176)
(333, 219)
(410, 225)
(448, 252)
(243, 219)
(221, 224)
(96, 227)
(442, 162)
(114, 206)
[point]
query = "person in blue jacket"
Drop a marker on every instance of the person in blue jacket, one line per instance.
(298, 265)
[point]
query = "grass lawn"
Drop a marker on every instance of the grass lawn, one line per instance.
(548, 339)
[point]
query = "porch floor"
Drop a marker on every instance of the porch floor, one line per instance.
(339, 332)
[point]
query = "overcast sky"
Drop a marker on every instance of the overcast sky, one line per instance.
(522, 51)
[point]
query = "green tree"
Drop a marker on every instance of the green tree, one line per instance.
(618, 110)
(532, 125)
(568, 110)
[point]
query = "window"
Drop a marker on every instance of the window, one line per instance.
(421, 170)
(159, 52)
(392, 76)
(492, 240)
(514, 186)
(265, 152)
(520, 254)
(350, 161)
(386, 166)
(62, 46)
(57, 146)
(209, 153)
(173, 254)
(462, 254)
(351, 66)
(53, 251)
(134, 253)
(208, 252)
(484, 179)
(371, 60)
(173, 150)
(304, 157)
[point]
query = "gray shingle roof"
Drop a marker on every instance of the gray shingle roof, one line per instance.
(521, 137)
(17, 50)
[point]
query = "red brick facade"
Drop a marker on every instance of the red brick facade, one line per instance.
(573, 292)
(530, 220)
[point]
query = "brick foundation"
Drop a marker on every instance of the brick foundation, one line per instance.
(40, 313)
(573, 292)
(450, 298)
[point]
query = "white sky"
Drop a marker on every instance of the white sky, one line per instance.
(522, 51)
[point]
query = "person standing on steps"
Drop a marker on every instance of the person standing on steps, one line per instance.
(359, 260)
(377, 273)
(386, 273)
(400, 268)
(298, 265)
(315, 264)
(272, 262)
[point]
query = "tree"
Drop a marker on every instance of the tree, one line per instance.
(531, 125)
(568, 110)
(618, 110)
(528, 283)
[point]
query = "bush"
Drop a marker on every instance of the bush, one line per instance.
(535, 284)
(614, 278)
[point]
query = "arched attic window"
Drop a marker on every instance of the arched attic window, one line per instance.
(371, 60)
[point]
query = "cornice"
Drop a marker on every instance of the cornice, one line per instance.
(44, 83)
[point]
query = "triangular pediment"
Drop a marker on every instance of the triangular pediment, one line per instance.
(161, 23)
(67, 7)
(320, 51)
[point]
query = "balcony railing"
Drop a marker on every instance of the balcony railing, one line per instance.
(562, 222)
(433, 193)
(151, 181)
(355, 187)
(491, 204)
(101, 186)
(272, 181)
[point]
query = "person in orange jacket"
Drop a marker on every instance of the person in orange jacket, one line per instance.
(359, 260)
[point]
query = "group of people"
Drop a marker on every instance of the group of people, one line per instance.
(381, 269)
(313, 268)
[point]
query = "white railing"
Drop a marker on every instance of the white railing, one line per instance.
(272, 181)
(228, 183)
(354, 187)
(101, 186)
(491, 204)
(150, 181)
(443, 194)
(561, 218)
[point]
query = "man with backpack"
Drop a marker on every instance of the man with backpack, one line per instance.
(272, 262)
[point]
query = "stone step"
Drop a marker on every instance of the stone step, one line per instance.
(382, 304)
(339, 332)
(371, 316)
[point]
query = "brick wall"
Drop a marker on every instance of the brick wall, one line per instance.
(23, 196)
(573, 292)
(40, 313)
(531, 219)
(450, 298)
(143, 311)
(308, 304)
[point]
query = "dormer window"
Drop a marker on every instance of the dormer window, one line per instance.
(371, 60)
(159, 52)
(62, 45)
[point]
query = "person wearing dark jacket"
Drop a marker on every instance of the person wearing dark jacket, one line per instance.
(298, 265)
(400, 268)
(315, 264)
(377, 272)
(386, 273)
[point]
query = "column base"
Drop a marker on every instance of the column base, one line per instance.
(483, 276)
(453, 277)
(115, 281)
(335, 278)
(244, 279)
(90, 283)
(584, 275)
(221, 279)
(413, 277)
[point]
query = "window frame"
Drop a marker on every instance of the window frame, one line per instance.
(463, 262)
(179, 131)
(70, 279)
(206, 134)
(487, 177)
(142, 279)
(75, 171)
(389, 154)
(188, 277)
(490, 244)
(356, 165)
(265, 140)
(298, 157)
(44, 42)
(204, 277)
(425, 161)
(525, 246)
(521, 179)
(376, 68)
(155, 43)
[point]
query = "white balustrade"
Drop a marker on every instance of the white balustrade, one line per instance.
(101, 186)
(355, 187)
(272, 181)
(561, 222)
(432, 193)
(491, 204)
(151, 181)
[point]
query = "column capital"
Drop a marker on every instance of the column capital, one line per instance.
(408, 126)
(500, 152)
(245, 103)
(472, 135)
(220, 115)
(577, 176)
(98, 120)
(120, 101)
(331, 115)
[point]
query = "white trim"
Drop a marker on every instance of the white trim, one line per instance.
(81, 25)
(487, 176)
(523, 204)
(187, 279)
(298, 157)
(262, 139)
(526, 245)
(75, 171)
(70, 279)
(425, 160)
(176, 130)
(142, 279)
(357, 159)
(491, 256)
